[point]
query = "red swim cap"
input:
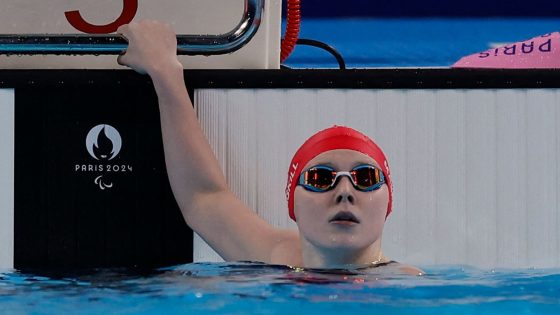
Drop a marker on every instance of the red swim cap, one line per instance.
(334, 138)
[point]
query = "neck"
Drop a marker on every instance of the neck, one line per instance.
(315, 257)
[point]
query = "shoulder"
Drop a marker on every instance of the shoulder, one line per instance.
(287, 248)
(410, 270)
(401, 268)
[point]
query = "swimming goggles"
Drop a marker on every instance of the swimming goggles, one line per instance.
(322, 178)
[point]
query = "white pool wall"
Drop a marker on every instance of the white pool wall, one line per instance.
(475, 172)
(7, 115)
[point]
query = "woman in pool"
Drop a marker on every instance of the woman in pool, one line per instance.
(338, 187)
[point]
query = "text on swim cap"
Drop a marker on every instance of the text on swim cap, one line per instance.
(291, 175)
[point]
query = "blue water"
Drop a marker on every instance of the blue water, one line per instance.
(247, 288)
(417, 42)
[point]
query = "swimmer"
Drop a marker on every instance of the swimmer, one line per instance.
(339, 187)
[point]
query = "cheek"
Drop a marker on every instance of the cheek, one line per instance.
(376, 205)
(311, 210)
(305, 205)
(374, 211)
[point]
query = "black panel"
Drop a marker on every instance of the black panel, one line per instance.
(376, 78)
(105, 208)
(430, 8)
(443, 78)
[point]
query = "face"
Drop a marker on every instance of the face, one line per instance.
(322, 217)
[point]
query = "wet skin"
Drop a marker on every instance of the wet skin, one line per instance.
(343, 221)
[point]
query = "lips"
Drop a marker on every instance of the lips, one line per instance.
(344, 217)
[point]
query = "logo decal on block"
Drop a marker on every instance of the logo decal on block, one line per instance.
(103, 142)
(102, 185)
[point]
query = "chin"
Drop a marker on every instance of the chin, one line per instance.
(348, 242)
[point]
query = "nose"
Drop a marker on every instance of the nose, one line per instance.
(344, 191)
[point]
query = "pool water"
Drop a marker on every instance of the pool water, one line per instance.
(410, 42)
(243, 288)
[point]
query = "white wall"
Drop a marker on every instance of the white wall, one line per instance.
(195, 17)
(475, 172)
(7, 179)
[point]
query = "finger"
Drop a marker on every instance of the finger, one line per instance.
(121, 32)
(123, 29)
(123, 52)
(123, 60)
(120, 59)
(123, 36)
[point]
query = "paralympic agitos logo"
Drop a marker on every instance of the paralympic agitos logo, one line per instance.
(103, 143)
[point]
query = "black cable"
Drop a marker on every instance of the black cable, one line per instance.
(328, 48)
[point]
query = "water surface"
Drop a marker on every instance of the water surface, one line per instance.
(242, 288)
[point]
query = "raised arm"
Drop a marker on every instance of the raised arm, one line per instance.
(208, 205)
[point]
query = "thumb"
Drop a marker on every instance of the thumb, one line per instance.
(120, 59)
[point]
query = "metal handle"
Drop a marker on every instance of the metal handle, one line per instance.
(83, 44)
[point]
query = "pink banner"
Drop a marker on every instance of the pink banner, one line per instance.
(540, 52)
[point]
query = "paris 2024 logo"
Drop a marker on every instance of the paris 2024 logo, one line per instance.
(104, 143)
